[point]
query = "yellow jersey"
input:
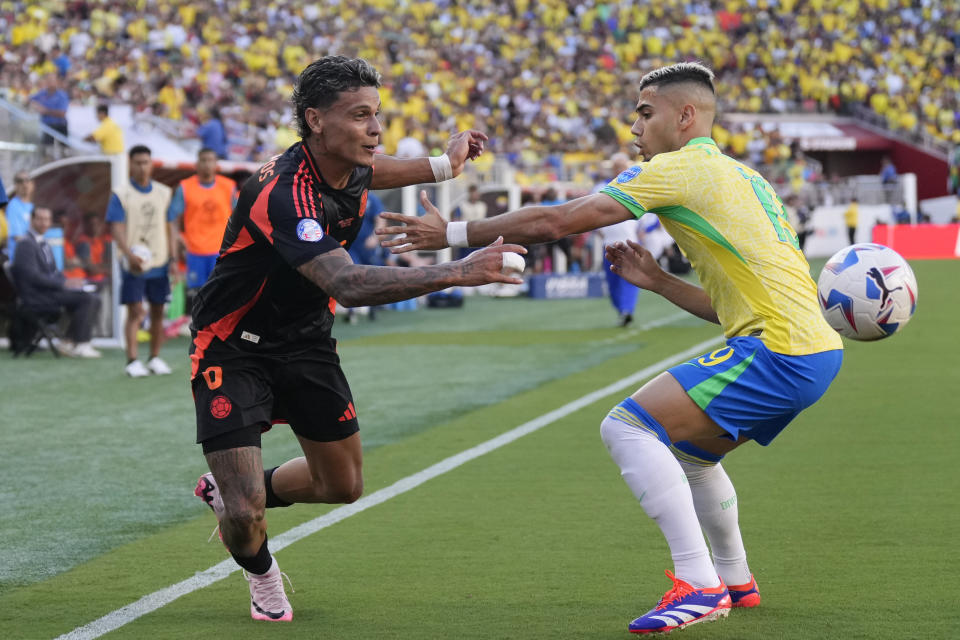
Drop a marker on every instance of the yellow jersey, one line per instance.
(733, 228)
(110, 136)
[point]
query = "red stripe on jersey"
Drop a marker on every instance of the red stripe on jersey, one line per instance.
(258, 212)
(313, 204)
(309, 157)
(222, 329)
(244, 240)
(297, 189)
(332, 305)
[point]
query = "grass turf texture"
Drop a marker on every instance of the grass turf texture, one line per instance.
(844, 517)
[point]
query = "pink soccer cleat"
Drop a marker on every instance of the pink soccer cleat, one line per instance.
(268, 600)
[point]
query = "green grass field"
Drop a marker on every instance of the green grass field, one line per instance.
(850, 517)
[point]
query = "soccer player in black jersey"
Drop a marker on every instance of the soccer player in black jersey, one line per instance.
(262, 352)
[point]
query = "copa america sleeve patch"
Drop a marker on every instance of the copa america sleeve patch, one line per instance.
(309, 230)
(629, 174)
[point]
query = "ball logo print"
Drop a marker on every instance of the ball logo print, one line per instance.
(867, 291)
(309, 230)
(220, 407)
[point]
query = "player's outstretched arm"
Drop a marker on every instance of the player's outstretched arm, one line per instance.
(354, 285)
(637, 266)
(528, 225)
(390, 172)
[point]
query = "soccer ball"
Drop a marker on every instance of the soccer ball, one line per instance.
(141, 251)
(867, 291)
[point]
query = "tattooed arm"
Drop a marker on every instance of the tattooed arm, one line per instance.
(354, 285)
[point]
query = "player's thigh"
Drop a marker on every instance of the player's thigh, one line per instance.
(718, 446)
(337, 463)
(157, 290)
(313, 396)
(233, 402)
(668, 403)
(132, 289)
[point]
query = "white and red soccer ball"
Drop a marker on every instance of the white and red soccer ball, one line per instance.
(867, 291)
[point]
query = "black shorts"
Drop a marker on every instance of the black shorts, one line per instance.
(308, 391)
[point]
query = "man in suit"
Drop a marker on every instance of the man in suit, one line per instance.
(43, 289)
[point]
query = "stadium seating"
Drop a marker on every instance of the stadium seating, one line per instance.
(528, 73)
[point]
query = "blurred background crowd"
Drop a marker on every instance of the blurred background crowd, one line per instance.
(550, 81)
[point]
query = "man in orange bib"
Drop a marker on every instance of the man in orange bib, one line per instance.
(205, 202)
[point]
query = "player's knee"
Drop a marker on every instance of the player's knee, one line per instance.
(697, 474)
(611, 431)
(136, 313)
(246, 517)
(348, 493)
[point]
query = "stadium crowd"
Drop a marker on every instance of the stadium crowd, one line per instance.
(544, 79)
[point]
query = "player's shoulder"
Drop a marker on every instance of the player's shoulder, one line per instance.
(162, 189)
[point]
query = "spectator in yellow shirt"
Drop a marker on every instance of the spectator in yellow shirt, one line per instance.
(850, 218)
(109, 135)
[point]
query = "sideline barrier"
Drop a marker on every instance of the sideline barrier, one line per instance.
(919, 241)
(568, 285)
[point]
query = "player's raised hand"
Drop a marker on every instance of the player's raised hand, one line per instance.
(463, 146)
(634, 264)
(487, 265)
(424, 233)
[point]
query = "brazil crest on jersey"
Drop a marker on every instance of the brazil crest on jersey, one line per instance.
(731, 225)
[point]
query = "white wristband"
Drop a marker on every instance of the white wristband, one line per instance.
(441, 168)
(457, 234)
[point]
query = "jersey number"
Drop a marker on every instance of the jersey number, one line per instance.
(774, 209)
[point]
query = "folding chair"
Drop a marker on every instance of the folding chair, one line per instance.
(29, 327)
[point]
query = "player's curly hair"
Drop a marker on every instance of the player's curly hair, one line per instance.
(321, 83)
(680, 72)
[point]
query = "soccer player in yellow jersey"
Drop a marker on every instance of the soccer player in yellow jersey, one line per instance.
(780, 355)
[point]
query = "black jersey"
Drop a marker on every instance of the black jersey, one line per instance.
(255, 299)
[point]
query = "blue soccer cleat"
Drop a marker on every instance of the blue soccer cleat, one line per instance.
(682, 606)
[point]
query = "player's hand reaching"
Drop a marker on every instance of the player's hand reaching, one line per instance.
(463, 146)
(634, 264)
(424, 233)
(486, 265)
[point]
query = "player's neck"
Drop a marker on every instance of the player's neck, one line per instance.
(333, 170)
(693, 135)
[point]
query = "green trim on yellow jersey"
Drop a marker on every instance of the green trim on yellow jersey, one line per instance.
(701, 140)
(625, 199)
(693, 220)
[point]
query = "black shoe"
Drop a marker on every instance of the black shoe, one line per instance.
(625, 319)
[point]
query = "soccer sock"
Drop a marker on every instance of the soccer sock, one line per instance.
(272, 499)
(715, 500)
(258, 564)
(636, 442)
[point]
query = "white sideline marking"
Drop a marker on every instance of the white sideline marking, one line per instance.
(653, 324)
(152, 602)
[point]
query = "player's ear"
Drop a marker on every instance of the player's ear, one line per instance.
(314, 118)
(688, 113)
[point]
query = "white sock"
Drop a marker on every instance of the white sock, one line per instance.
(658, 482)
(715, 500)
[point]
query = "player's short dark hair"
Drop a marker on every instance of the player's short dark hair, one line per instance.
(137, 150)
(206, 150)
(321, 83)
(102, 108)
(676, 73)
